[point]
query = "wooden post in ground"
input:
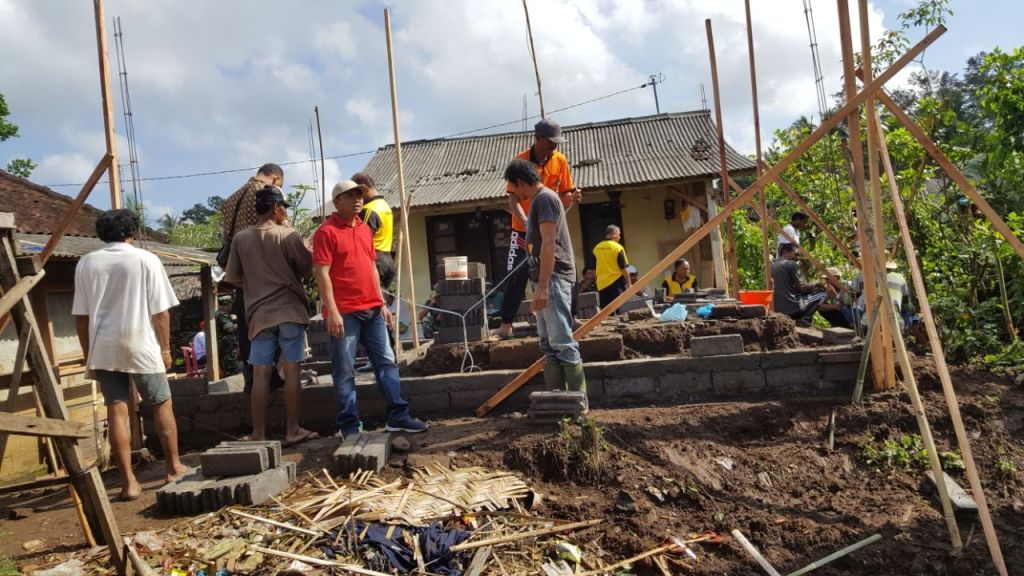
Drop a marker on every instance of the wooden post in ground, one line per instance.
(868, 264)
(533, 54)
(108, 107)
(396, 327)
(889, 330)
(770, 175)
(917, 280)
(730, 233)
(208, 291)
(763, 206)
(413, 320)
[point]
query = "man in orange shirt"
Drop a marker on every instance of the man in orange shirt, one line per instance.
(554, 172)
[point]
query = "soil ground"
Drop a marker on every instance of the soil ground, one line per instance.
(762, 468)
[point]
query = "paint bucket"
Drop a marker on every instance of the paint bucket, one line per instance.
(762, 297)
(456, 268)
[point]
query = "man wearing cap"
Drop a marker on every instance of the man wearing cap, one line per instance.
(836, 308)
(553, 271)
(237, 213)
(555, 174)
(378, 216)
(346, 275)
(612, 266)
(268, 260)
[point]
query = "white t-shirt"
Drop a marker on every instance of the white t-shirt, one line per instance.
(120, 288)
(199, 345)
(783, 240)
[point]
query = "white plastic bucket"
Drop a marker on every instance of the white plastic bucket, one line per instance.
(456, 268)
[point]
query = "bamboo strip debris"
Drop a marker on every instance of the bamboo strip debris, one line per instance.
(525, 535)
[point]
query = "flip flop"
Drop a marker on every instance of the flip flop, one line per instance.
(497, 338)
(309, 435)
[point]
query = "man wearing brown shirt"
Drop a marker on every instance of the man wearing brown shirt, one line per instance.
(237, 213)
(268, 261)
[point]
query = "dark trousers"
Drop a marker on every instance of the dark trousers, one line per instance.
(835, 318)
(386, 269)
(244, 345)
(611, 292)
(515, 282)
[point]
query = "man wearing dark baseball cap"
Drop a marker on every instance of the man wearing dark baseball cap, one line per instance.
(268, 261)
(555, 174)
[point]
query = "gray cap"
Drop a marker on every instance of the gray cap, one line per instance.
(549, 129)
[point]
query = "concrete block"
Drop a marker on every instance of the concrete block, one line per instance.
(725, 311)
(601, 348)
(810, 336)
(514, 353)
(292, 468)
(471, 334)
(787, 358)
(234, 383)
(470, 287)
(729, 382)
(366, 451)
(833, 336)
(223, 421)
(844, 374)
(461, 303)
(587, 313)
(588, 300)
(685, 385)
(474, 317)
(724, 344)
(753, 311)
(794, 377)
(844, 357)
(550, 403)
(273, 448)
(631, 387)
(262, 486)
(239, 461)
(181, 387)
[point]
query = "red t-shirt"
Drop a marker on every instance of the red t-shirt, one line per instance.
(348, 250)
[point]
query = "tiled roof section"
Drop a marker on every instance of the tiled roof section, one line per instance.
(604, 155)
(74, 247)
(38, 209)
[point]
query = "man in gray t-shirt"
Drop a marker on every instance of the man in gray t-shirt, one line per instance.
(793, 296)
(553, 271)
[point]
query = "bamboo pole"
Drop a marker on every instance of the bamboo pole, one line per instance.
(524, 535)
(763, 206)
(862, 367)
(414, 322)
(836, 555)
(713, 221)
(917, 279)
(730, 233)
(323, 178)
(113, 176)
(889, 330)
(818, 221)
(868, 267)
(396, 328)
(533, 55)
(968, 189)
(755, 553)
(65, 220)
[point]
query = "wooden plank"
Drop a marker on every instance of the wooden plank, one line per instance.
(16, 374)
(43, 427)
(18, 291)
(655, 272)
(69, 215)
(37, 484)
(209, 297)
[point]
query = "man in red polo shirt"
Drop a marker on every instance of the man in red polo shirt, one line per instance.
(344, 262)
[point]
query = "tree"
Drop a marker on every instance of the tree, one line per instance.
(167, 223)
(198, 214)
(21, 167)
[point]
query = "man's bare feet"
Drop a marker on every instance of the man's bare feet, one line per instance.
(130, 492)
(179, 471)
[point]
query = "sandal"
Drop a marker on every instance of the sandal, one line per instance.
(309, 435)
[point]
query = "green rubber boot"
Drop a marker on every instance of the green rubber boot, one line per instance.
(554, 376)
(575, 379)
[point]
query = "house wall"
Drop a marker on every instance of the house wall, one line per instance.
(648, 235)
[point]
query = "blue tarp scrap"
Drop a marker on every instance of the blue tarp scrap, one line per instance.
(435, 545)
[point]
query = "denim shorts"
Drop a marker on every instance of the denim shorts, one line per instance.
(153, 388)
(289, 337)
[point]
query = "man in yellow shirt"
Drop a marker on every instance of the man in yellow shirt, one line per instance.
(377, 215)
(612, 266)
(680, 280)
(555, 174)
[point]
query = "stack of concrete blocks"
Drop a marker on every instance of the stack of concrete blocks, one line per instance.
(463, 297)
(723, 345)
(557, 404)
(245, 473)
(364, 451)
(319, 339)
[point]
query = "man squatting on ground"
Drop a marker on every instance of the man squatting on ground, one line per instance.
(237, 213)
(346, 275)
(268, 260)
(555, 174)
(121, 308)
(553, 270)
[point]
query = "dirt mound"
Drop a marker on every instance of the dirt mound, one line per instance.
(759, 334)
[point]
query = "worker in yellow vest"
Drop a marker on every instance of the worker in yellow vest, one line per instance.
(612, 266)
(680, 280)
(378, 217)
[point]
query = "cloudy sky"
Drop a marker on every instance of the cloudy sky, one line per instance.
(227, 85)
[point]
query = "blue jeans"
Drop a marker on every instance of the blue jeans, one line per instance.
(554, 325)
(373, 335)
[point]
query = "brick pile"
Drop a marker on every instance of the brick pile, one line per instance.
(557, 404)
(460, 296)
(364, 451)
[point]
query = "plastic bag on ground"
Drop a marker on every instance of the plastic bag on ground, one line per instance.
(675, 313)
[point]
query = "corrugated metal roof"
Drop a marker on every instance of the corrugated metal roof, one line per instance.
(604, 155)
(75, 247)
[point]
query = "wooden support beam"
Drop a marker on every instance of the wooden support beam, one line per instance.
(69, 215)
(730, 232)
(818, 221)
(758, 158)
(114, 176)
(43, 427)
(769, 176)
(208, 291)
(938, 353)
(16, 293)
(413, 319)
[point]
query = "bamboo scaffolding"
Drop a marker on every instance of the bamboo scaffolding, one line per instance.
(917, 279)
(758, 159)
(717, 219)
(414, 321)
(730, 233)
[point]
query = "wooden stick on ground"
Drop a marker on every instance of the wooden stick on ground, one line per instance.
(524, 535)
(275, 523)
(917, 279)
(836, 555)
(316, 561)
(655, 272)
(754, 553)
